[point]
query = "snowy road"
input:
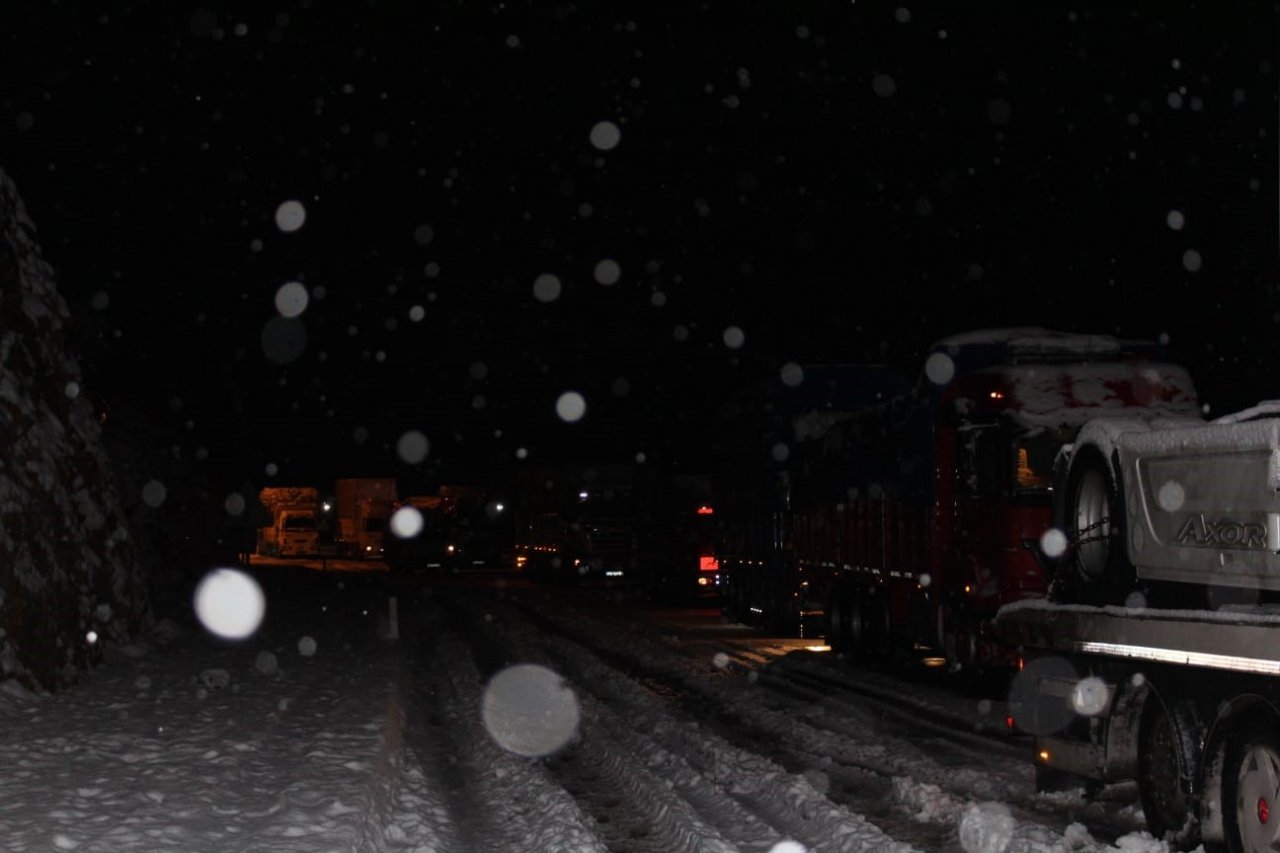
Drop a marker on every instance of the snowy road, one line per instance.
(797, 747)
(505, 717)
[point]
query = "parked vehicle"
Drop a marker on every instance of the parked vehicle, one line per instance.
(577, 524)
(294, 529)
(901, 521)
(465, 527)
(362, 508)
(426, 550)
(678, 537)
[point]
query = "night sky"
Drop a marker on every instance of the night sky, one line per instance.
(833, 181)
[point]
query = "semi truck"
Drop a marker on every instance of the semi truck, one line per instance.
(294, 530)
(362, 508)
(897, 520)
(1153, 661)
(465, 527)
(576, 523)
(678, 535)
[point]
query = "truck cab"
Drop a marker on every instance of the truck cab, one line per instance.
(297, 532)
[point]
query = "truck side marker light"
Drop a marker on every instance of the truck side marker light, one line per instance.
(1043, 756)
(1232, 663)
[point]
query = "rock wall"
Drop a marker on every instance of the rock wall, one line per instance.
(67, 562)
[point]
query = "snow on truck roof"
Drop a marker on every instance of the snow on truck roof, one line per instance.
(1034, 340)
(1071, 394)
(1042, 377)
(969, 351)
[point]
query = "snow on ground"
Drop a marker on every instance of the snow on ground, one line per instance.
(329, 731)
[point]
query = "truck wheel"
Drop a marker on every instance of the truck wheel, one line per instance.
(838, 604)
(1251, 791)
(957, 640)
(877, 625)
(855, 622)
(784, 615)
(1169, 742)
(733, 607)
(1097, 570)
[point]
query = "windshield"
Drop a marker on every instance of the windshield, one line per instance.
(1002, 463)
(1034, 453)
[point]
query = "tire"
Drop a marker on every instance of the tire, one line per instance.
(856, 622)
(1251, 790)
(957, 641)
(783, 618)
(1171, 739)
(733, 609)
(1096, 569)
(838, 604)
(876, 624)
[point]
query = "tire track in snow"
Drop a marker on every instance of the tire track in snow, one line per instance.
(750, 800)
(494, 800)
(930, 800)
(634, 811)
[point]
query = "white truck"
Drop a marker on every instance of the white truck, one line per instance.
(1156, 658)
(295, 515)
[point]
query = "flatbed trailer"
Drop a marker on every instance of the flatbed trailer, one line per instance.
(1185, 703)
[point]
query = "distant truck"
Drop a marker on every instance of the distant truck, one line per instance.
(362, 507)
(427, 550)
(295, 521)
(464, 528)
(577, 524)
(677, 526)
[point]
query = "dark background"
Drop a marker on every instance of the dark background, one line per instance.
(841, 181)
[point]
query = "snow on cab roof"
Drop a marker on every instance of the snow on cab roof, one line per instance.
(1073, 394)
(1038, 341)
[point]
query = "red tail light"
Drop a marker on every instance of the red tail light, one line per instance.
(708, 563)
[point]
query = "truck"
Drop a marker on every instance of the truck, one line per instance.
(1152, 660)
(575, 523)
(362, 507)
(900, 520)
(425, 549)
(294, 530)
(678, 536)
(465, 527)
(757, 431)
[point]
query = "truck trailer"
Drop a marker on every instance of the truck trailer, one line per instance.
(899, 520)
(362, 508)
(1154, 660)
(1184, 703)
